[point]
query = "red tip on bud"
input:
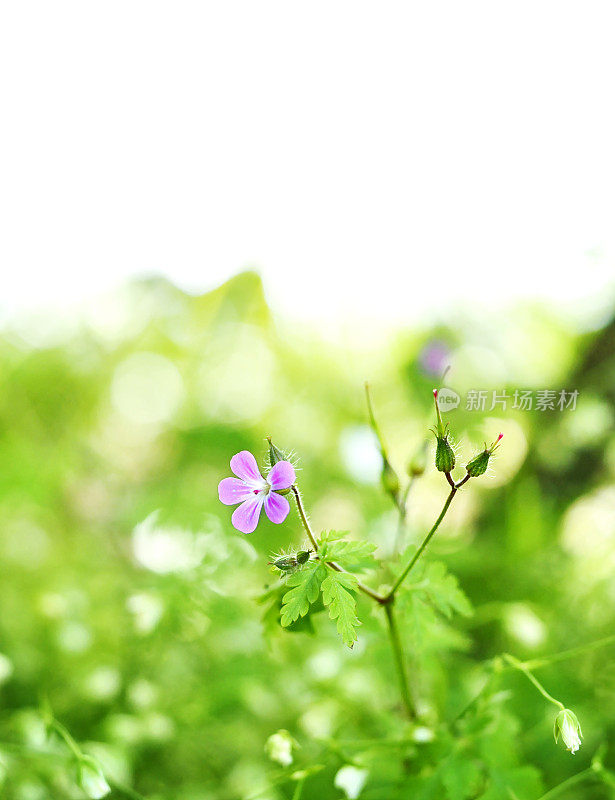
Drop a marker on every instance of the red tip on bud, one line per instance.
(501, 436)
(435, 393)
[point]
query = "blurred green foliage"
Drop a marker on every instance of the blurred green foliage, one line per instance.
(130, 603)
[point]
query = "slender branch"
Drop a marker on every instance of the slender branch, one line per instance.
(451, 482)
(399, 659)
(424, 544)
(308, 529)
(561, 787)
(67, 738)
(461, 482)
(536, 663)
(372, 421)
(127, 791)
(403, 513)
(304, 519)
(536, 683)
(299, 789)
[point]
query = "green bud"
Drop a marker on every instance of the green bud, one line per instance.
(275, 454)
(389, 479)
(567, 725)
(418, 463)
(91, 779)
(478, 465)
(290, 562)
(285, 563)
(445, 455)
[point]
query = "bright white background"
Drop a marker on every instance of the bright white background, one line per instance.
(370, 159)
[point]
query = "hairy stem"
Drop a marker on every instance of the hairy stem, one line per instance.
(304, 520)
(399, 659)
(424, 544)
(308, 529)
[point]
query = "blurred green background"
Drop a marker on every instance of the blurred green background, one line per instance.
(129, 601)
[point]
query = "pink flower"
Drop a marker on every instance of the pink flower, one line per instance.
(253, 491)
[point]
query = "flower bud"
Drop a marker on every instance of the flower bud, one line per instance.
(389, 479)
(290, 562)
(91, 779)
(285, 563)
(275, 454)
(279, 747)
(445, 455)
(478, 465)
(567, 724)
(418, 463)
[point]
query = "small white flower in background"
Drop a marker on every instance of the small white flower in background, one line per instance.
(422, 734)
(91, 779)
(351, 781)
(567, 724)
(279, 747)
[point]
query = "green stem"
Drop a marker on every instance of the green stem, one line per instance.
(561, 787)
(399, 659)
(571, 653)
(67, 738)
(304, 520)
(298, 789)
(424, 544)
(125, 790)
(525, 670)
(401, 525)
(308, 529)
(372, 421)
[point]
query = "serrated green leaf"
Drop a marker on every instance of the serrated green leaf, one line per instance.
(353, 555)
(337, 595)
(434, 584)
(444, 591)
(305, 587)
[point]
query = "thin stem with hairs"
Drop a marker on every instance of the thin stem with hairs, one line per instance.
(378, 598)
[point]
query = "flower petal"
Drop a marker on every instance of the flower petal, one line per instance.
(276, 506)
(245, 467)
(245, 517)
(282, 475)
(232, 491)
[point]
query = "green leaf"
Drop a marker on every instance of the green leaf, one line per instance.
(434, 584)
(461, 777)
(305, 587)
(337, 595)
(353, 555)
(444, 591)
(521, 783)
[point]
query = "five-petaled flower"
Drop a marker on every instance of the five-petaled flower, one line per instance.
(253, 491)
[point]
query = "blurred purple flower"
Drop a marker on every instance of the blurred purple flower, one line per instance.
(253, 491)
(434, 357)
